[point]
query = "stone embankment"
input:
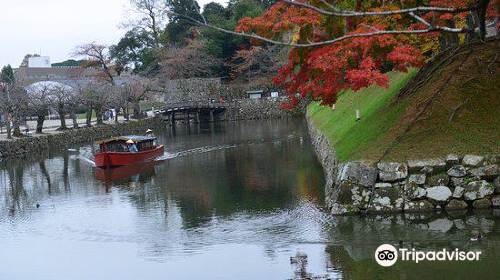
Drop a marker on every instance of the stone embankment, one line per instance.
(20, 146)
(258, 109)
(451, 183)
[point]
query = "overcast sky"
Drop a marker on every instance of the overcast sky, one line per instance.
(55, 27)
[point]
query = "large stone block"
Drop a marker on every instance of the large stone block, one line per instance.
(456, 204)
(418, 179)
(496, 201)
(452, 159)
(439, 195)
(351, 198)
(457, 171)
(392, 171)
(413, 191)
(437, 164)
(358, 173)
(455, 182)
(416, 206)
(458, 192)
(477, 190)
(492, 159)
(481, 203)
(488, 172)
(387, 200)
(472, 160)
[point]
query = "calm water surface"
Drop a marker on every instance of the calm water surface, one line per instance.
(226, 201)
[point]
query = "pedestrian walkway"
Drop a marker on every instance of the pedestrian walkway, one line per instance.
(51, 126)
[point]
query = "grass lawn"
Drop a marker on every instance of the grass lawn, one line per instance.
(351, 137)
(453, 107)
(83, 116)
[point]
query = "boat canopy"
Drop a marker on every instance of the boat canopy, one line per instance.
(135, 138)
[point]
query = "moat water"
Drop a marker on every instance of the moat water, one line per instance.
(226, 201)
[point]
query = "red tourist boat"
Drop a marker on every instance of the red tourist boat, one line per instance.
(125, 150)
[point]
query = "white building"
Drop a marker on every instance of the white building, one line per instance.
(39, 62)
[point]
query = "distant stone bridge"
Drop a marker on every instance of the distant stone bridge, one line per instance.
(211, 110)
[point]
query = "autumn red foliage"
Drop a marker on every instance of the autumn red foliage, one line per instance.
(321, 72)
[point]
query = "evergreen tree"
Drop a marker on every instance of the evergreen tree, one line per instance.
(7, 75)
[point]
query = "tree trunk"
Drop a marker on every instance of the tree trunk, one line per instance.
(7, 126)
(75, 122)
(116, 114)
(88, 116)
(17, 129)
(448, 40)
(39, 122)
(63, 120)
(137, 111)
(98, 114)
(472, 21)
(125, 114)
(483, 6)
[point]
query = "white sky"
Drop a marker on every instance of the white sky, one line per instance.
(56, 27)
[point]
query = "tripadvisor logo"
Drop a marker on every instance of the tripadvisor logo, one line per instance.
(387, 255)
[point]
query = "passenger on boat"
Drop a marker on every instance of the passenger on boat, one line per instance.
(132, 147)
(150, 133)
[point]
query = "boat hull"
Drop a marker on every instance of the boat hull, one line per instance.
(115, 159)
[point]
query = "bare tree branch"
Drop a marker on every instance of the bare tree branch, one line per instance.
(347, 13)
(327, 42)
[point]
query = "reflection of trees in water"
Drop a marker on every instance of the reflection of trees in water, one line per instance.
(32, 178)
(46, 175)
(16, 198)
(254, 176)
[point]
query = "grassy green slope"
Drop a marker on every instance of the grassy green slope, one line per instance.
(351, 138)
(450, 107)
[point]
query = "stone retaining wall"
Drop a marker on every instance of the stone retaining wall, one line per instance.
(452, 183)
(258, 109)
(20, 146)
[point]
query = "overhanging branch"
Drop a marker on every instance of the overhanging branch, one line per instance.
(347, 13)
(331, 41)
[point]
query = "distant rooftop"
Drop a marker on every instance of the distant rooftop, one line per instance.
(39, 62)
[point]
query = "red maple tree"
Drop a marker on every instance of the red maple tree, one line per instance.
(337, 45)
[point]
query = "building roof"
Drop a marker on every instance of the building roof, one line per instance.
(135, 138)
(255, 91)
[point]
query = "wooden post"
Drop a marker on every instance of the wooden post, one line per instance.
(333, 107)
(358, 115)
(172, 118)
(197, 116)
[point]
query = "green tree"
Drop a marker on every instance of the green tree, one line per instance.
(135, 50)
(223, 45)
(178, 27)
(7, 74)
(70, 62)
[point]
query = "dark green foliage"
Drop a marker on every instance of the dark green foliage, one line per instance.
(136, 50)
(178, 27)
(7, 75)
(220, 44)
(70, 62)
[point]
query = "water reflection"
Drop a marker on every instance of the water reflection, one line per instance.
(140, 172)
(228, 201)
